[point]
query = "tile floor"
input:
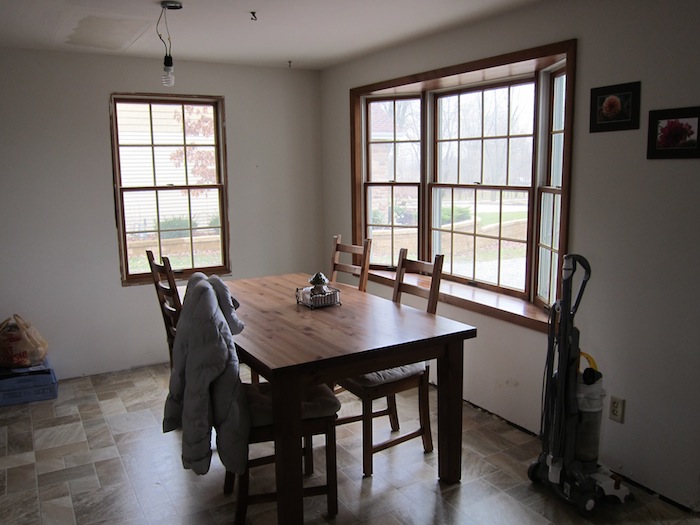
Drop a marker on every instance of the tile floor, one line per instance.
(96, 455)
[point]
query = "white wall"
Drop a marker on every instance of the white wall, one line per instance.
(634, 219)
(503, 364)
(59, 258)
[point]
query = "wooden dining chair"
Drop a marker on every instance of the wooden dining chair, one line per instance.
(319, 413)
(168, 297)
(387, 383)
(338, 264)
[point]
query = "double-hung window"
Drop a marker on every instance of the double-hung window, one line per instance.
(481, 195)
(472, 162)
(170, 182)
(393, 188)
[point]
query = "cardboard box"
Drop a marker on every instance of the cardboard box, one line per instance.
(24, 385)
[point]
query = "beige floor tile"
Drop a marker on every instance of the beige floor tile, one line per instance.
(59, 435)
(97, 455)
(57, 511)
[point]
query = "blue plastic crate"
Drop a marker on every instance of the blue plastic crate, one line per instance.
(24, 385)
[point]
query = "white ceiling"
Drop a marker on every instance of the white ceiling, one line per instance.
(312, 34)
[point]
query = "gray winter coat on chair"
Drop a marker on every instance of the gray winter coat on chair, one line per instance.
(205, 387)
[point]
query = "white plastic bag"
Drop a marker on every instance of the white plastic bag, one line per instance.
(21, 345)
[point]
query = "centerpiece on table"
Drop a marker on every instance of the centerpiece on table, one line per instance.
(319, 294)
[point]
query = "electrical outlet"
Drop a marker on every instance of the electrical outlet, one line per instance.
(617, 409)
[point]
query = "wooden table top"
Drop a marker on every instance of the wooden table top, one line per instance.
(281, 335)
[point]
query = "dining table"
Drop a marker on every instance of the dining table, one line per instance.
(292, 345)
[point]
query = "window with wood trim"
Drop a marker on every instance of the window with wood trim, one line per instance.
(170, 183)
(393, 181)
(550, 193)
(472, 162)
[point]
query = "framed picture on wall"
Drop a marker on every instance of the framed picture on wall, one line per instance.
(615, 108)
(673, 133)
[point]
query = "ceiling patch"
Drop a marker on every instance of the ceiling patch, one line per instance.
(107, 33)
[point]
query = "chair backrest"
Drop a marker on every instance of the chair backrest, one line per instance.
(359, 270)
(168, 297)
(432, 272)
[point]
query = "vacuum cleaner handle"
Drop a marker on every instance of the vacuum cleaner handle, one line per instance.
(568, 270)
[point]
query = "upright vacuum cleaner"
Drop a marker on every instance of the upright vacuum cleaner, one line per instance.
(572, 409)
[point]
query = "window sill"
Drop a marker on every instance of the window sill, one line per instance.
(485, 302)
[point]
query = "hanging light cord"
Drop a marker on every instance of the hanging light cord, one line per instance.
(167, 45)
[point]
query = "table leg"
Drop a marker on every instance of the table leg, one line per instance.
(449, 381)
(286, 409)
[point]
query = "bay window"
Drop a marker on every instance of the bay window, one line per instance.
(472, 162)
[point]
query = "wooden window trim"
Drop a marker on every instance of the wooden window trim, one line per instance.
(502, 67)
(220, 126)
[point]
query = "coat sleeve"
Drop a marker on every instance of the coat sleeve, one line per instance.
(206, 362)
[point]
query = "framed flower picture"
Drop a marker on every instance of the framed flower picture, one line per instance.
(615, 108)
(673, 134)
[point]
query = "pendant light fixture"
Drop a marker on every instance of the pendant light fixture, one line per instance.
(168, 69)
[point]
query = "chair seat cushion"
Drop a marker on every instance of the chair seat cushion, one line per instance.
(384, 376)
(316, 401)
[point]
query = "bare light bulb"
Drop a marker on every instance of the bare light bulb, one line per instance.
(168, 71)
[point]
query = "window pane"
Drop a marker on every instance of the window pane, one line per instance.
(488, 212)
(133, 123)
(381, 162)
(408, 162)
(546, 218)
(520, 162)
(543, 275)
(522, 109)
(169, 169)
(447, 162)
(496, 112)
(140, 228)
(515, 208)
(443, 245)
(464, 210)
(136, 259)
(513, 260)
(486, 260)
(201, 164)
(199, 125)
(381, 121)
(178, 250)
(448, 117)
(136, 165)
(136, 247)
(556, 222)
(174, 212)
(463, 255)
(557, 159)
(442, 202)
(140, 212)
(559, 103)
(167, 124)
(553, 278)
(470, 115)
(206, 208)
(495, 161)
(207, 248)
(381, 245)
(470, 161)
(408, 119)
(378, 205)
(404, 238)
(406, 206)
